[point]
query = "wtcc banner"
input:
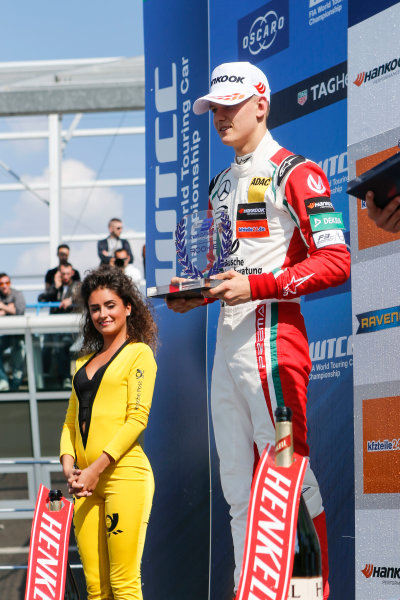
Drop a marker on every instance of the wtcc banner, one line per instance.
(177, 174)
(48, 550)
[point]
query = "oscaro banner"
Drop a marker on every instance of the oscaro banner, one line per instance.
(264, 31)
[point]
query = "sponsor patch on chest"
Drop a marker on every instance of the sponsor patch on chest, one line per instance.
(257, 189)
(251, 220)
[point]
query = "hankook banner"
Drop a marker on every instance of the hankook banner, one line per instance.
(373, 136)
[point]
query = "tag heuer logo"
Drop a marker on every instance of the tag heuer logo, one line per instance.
(302, 97)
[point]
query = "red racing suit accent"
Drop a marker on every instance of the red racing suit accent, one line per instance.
(292, 259)
(288, 239)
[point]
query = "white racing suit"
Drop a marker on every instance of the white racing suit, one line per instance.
(289, 241)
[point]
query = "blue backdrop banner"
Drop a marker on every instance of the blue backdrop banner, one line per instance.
(302, 48)
(176, 558)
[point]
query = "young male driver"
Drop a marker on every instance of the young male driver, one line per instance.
(286, 243)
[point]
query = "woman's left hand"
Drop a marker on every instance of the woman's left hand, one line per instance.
(87, 481)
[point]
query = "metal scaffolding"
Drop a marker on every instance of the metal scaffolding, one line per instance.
(54, 88)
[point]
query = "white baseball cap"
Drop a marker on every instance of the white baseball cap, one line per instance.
(232, 83)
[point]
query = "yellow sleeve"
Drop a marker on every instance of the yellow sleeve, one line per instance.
(68, 433)
(141, 379)
(67, 442)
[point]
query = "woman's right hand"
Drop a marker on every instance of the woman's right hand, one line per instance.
(72, 474)
(74, 487)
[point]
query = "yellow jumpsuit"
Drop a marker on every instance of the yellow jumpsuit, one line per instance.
(110, 526)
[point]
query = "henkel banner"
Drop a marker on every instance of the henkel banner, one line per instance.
(48, 550)
(274, 505)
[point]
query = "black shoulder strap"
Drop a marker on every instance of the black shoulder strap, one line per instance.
(287, 165)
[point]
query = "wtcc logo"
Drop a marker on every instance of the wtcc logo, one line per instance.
(264, 31)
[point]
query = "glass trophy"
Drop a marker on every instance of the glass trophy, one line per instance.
(203, 243)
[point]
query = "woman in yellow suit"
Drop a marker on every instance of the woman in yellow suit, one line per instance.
(101, 447)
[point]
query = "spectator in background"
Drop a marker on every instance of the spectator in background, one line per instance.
(58, 344)
(12, 302)
(122, 261)
(387, 218)
(106, 248)
(52, 277)
(65, 293)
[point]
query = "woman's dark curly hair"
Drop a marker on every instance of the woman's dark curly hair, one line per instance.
(140, 324)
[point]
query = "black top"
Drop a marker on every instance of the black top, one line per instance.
(86, 390)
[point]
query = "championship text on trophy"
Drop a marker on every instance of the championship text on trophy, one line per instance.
(203, 242)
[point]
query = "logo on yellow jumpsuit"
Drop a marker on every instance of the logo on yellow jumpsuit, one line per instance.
(257, 189)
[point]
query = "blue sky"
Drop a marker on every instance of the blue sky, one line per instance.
(45, 30)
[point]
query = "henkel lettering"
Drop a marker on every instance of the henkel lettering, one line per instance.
(48, 553)
(269, 547)
(49, 545)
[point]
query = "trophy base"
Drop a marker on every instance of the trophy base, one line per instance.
(190, 288)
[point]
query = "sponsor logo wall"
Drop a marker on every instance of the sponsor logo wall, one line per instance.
(373, 136)
(305, 60)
